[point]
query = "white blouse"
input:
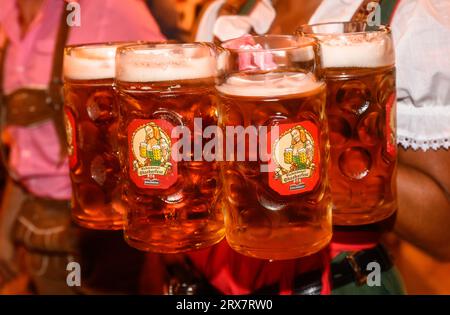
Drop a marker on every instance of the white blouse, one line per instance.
(421, 31)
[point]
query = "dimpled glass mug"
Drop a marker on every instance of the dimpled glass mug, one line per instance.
(91, 118)
(172, 205)
(359, 68)
(283, 211)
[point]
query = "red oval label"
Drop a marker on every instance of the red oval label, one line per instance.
(150, 158)
(294, 165)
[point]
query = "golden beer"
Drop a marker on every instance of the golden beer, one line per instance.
(91, 123)
(283, 212)
(359, 66)
(172, 205)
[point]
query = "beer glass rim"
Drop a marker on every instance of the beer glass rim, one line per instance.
(307, 29)
(168, 61)
(75, 47)
(162, 45)
(299, 43)
(90, 61)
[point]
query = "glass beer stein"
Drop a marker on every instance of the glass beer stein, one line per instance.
(172, 198)
(277, 203)
(91, 127)
(359, 67)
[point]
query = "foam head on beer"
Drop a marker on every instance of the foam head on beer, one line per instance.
(269, 84)
(353, 45)
(90, 108)
(165, 62)
(90, 62)
(266, 68)
(358, 60)
(272, 82)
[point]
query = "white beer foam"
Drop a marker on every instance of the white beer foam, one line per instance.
(367, 50)
(164, 66)
(90, 63)
(269, 85)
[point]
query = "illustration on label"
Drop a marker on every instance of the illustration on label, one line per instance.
(295, 159)
(71, 137)
(391, 115)
(151, 163)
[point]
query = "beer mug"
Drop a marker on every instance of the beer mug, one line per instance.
(302, 157)
(91, 126)
(143, 149)
(172, 201)
(272, 92)
(359, 67)
(156, 153)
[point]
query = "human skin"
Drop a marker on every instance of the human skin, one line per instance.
(423, 185)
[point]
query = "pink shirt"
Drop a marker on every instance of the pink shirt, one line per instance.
(35, 149)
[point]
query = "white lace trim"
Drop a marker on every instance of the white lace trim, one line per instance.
(423, 128)
(423, 145)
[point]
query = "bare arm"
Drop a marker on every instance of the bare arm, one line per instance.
(423, 184)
